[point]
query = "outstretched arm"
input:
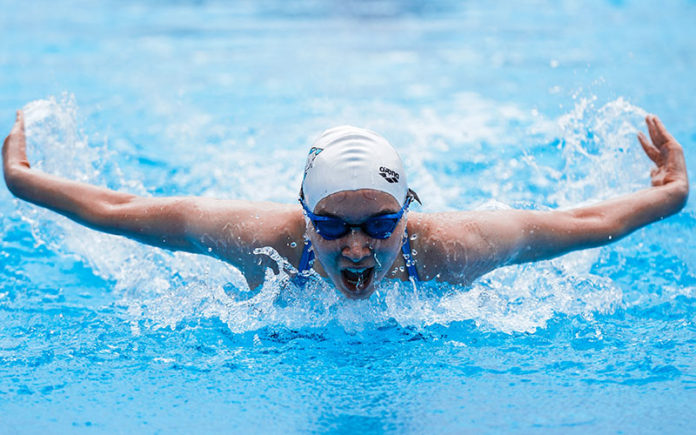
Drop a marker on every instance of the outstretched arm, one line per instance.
(96, 207)
(229, 230)
(550, 234)
(485, 240)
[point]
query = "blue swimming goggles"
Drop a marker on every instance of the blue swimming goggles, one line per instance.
(377, 227)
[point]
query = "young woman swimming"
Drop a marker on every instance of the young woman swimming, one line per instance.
(353, 216)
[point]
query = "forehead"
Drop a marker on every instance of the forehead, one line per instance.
(357, 203)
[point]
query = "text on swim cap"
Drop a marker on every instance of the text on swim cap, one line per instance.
(388, 174)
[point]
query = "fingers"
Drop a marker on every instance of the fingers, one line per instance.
(654, 132)
(660, 127)
(652, 152)
(658, 132)
(19, 122)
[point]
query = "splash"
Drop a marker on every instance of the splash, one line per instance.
(600, 152)
(592, 155)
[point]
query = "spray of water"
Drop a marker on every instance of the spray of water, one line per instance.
(595, 156)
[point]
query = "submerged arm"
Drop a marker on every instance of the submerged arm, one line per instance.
(496, 238)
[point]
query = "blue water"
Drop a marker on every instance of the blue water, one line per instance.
(526, 105)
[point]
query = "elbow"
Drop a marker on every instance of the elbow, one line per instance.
(592, 228)
(100, 215)
(140, 218)
(109, 215)
(589, 221)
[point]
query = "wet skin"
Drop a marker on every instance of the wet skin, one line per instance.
(356, 261)
(455, 247)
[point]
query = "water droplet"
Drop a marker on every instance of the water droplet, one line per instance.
(414, 236)
(210, 249)
(293, 245)
(401, 268)
(414, 252)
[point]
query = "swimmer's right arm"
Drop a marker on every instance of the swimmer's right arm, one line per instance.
(96, 207)
(227, 229)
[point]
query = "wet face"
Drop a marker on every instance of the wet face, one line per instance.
(356, 261)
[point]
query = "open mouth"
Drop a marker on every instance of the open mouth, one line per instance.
(357, 280)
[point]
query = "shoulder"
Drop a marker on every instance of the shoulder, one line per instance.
(234, 227)
(457, 247)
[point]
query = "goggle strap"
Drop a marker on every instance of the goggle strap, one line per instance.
(413, 195)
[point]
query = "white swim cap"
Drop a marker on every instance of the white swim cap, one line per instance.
(351, 158)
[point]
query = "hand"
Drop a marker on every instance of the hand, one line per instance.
(667, 154)
(14, 151)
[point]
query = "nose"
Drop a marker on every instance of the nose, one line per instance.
(357, 246)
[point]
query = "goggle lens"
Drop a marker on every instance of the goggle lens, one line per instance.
(335, 228)
(377, 227)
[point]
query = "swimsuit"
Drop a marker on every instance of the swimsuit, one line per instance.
(307, 260)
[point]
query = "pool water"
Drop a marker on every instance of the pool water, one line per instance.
(526, 105)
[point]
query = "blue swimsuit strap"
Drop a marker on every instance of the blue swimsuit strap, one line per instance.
(307, 260)
(408, 259)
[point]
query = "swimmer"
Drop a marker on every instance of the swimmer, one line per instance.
(353, 223)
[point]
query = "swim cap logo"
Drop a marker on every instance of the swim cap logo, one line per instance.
(389, 175)
(313, 153)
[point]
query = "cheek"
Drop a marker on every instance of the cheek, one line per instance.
(389, 250)
(324, 250)
(316, 240)
(397, 239)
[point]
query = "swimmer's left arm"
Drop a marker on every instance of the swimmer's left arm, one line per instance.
(476, 242)
(549, 234)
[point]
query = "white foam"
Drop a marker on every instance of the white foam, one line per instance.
(163, 289)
